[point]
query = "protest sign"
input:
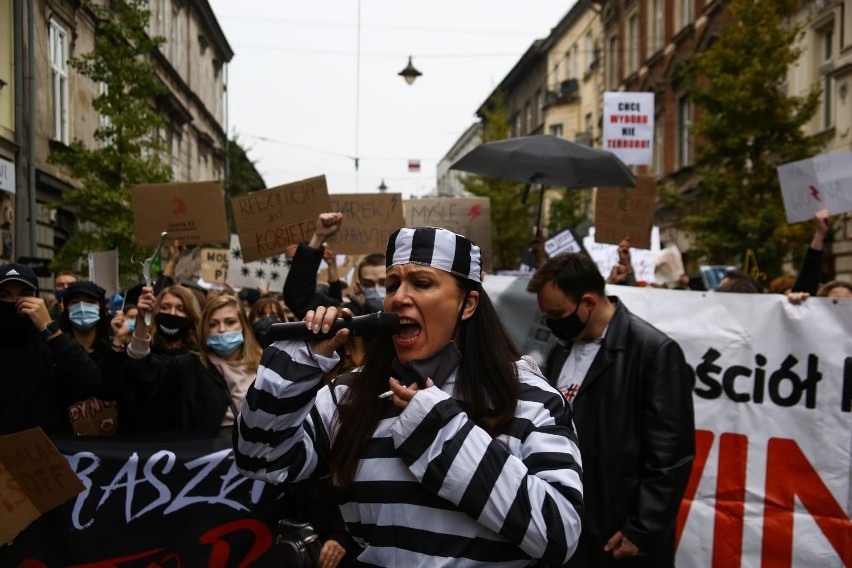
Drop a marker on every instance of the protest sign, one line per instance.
(270, 220)
(268, 273)
(668, 265)
(103, 269)
(823, 181)
(193, 213)
(34, 478)
(368, 221)
(214, 265)
(563, 241)
(628, 126)
(773, 416)
(468, 216)
(626, 212)
(605, 255)
(155, 500)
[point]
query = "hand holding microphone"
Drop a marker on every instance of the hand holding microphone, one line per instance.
(323, 324)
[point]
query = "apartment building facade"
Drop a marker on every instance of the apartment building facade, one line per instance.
(53, 106)
(646, 42)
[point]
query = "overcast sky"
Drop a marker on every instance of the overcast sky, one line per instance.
(294, 96)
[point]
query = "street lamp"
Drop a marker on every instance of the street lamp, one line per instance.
(410, 73)
(382, 186)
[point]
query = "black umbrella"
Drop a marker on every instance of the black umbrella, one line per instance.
(546, 160)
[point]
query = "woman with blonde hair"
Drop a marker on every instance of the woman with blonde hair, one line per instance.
(203, 389)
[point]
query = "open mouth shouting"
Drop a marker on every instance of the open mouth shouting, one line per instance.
(409, 330)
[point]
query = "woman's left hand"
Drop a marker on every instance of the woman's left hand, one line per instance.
(331, 554)
(402, 395)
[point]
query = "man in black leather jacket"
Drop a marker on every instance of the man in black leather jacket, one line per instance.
(631, 393)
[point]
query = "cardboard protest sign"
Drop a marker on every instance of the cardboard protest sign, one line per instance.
(368, 221)
(468, 216)
(823, 181)
(103, 269)
(34, 478)
(626, 212)
(628, 126)
(268, 273)
(193, 212)
(214, 265)
(270, 220)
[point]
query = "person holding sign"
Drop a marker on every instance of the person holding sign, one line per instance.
(469, 459)
(631, 392)
(198, 390)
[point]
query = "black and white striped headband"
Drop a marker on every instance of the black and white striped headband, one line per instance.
(435, 247)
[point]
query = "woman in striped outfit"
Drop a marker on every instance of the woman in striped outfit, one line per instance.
(470, 459)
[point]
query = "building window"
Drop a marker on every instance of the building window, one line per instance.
(539, 97)
(684, 124)
(826, 51)
(518, 124)
(575, 62)
(104, 120)
(176, 39)
(176, 147)
(685, 13)
(658, 145)
(612, 63)
(555, 130)
(632, 44)
(59, 75)
(589, 124)
(590, 52)
(656, 24)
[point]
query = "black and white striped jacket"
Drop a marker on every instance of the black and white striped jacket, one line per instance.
(433, 489)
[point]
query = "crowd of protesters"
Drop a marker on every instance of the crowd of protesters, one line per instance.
(175, 356)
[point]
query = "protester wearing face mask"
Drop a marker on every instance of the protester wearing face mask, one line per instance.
(84, 316)
(203, 389)
(370, 282)
(43, 369)
(175, 320)
(61, 281)
(631, 392)
(264, 313)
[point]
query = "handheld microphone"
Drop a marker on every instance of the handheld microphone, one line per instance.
(379, 323)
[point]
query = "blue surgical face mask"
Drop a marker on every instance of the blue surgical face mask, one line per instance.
(225, 343)
(84, 316)
(375, 297)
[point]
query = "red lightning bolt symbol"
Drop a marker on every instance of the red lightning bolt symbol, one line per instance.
(815, 192)
(474, 211)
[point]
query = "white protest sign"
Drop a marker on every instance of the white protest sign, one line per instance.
(824, 181)
(606, 256)
(103, 269)
(773, 418)
(268, 273)
(628, 126)
(563, 241)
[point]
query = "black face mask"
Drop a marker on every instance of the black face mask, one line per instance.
(569, 327)
(12, 325)
(172, 327)
(261, 329)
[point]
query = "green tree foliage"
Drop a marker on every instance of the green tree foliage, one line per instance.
(747, 125)
(569, 210)
(243, 177)
(510, 219)
(128, 151)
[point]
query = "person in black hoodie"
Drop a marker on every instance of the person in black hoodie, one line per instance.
(44, 370)
(199, 390)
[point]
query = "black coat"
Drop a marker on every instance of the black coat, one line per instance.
(634, 418)
(184, 394)
(40, 379)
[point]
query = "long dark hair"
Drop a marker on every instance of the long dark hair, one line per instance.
(487, 386)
